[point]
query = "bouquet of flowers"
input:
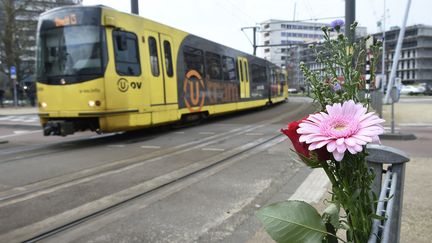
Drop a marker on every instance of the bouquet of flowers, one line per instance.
(334, 139)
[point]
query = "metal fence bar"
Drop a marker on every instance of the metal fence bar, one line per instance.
(391, 161)
(377, 225)
(390, 209)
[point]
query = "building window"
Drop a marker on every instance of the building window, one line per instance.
(266, 42)
(283, 26)
(267, 50)
(266, 26)
(126, 53)
(266, 34)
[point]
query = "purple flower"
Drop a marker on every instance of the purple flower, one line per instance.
(337, 24)
(337, 86)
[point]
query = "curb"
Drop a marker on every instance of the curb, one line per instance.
(398, 136)
(22, 126)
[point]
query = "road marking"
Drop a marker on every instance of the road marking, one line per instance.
(212, 149)
(179, 132)
(254, 134)
(418, 124)
(20, 133)
(206, 133)
(117, 146)
(150, 147)
(313, 187)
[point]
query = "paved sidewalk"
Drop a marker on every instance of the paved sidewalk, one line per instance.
(21, 110)
(417, 202)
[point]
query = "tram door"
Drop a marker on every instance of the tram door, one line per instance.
(162, 82)
(243, 67)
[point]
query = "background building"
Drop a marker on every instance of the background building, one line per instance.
(284, 43)
(415, 63)
(18, 23)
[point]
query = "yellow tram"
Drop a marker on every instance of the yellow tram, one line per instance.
(103, 70)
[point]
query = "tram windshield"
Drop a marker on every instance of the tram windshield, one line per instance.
(76, 52)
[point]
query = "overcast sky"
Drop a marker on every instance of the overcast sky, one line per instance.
(222, 20)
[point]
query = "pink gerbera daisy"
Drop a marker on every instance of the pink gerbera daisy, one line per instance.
(343, 127)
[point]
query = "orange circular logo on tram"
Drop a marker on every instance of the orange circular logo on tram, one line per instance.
(194, 91)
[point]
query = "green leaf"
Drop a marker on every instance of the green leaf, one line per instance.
(331, 215)
(292, 221)
(330, 238)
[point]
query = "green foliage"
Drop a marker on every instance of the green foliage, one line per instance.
(292, 221)
(340, 80)
(343, 64)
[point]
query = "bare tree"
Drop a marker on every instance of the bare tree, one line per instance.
(13, 40)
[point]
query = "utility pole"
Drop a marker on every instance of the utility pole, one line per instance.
(349, 19)
(254, 45)
(397, 54)
(134, 7)
(383, 58)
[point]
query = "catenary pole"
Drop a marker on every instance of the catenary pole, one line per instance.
(349, 19)
(134, 7)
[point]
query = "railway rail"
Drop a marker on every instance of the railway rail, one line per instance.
(57, 223)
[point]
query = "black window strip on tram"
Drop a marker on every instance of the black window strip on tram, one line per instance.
(229, 69)
(194, 60)
(213, 65)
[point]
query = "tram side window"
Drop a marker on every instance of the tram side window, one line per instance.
(154, 59)
(168, 59)
(246, 70)
(213, 66)
(194, 60)
(126, 53)
(229, 69)
(258, 74)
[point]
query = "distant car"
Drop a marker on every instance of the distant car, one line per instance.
(412, 90)
(292, 90)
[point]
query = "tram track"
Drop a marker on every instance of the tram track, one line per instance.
(61, 222)
(49, 185)
(40, 229)
(29, 191)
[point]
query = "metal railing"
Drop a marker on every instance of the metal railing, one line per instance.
(390, 162)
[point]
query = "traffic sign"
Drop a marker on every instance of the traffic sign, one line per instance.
(13, 72)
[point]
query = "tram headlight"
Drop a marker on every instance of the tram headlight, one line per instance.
(43, 104)
(93, 103)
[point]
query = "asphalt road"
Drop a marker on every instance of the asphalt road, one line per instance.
(196, 183)
(47, 182)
